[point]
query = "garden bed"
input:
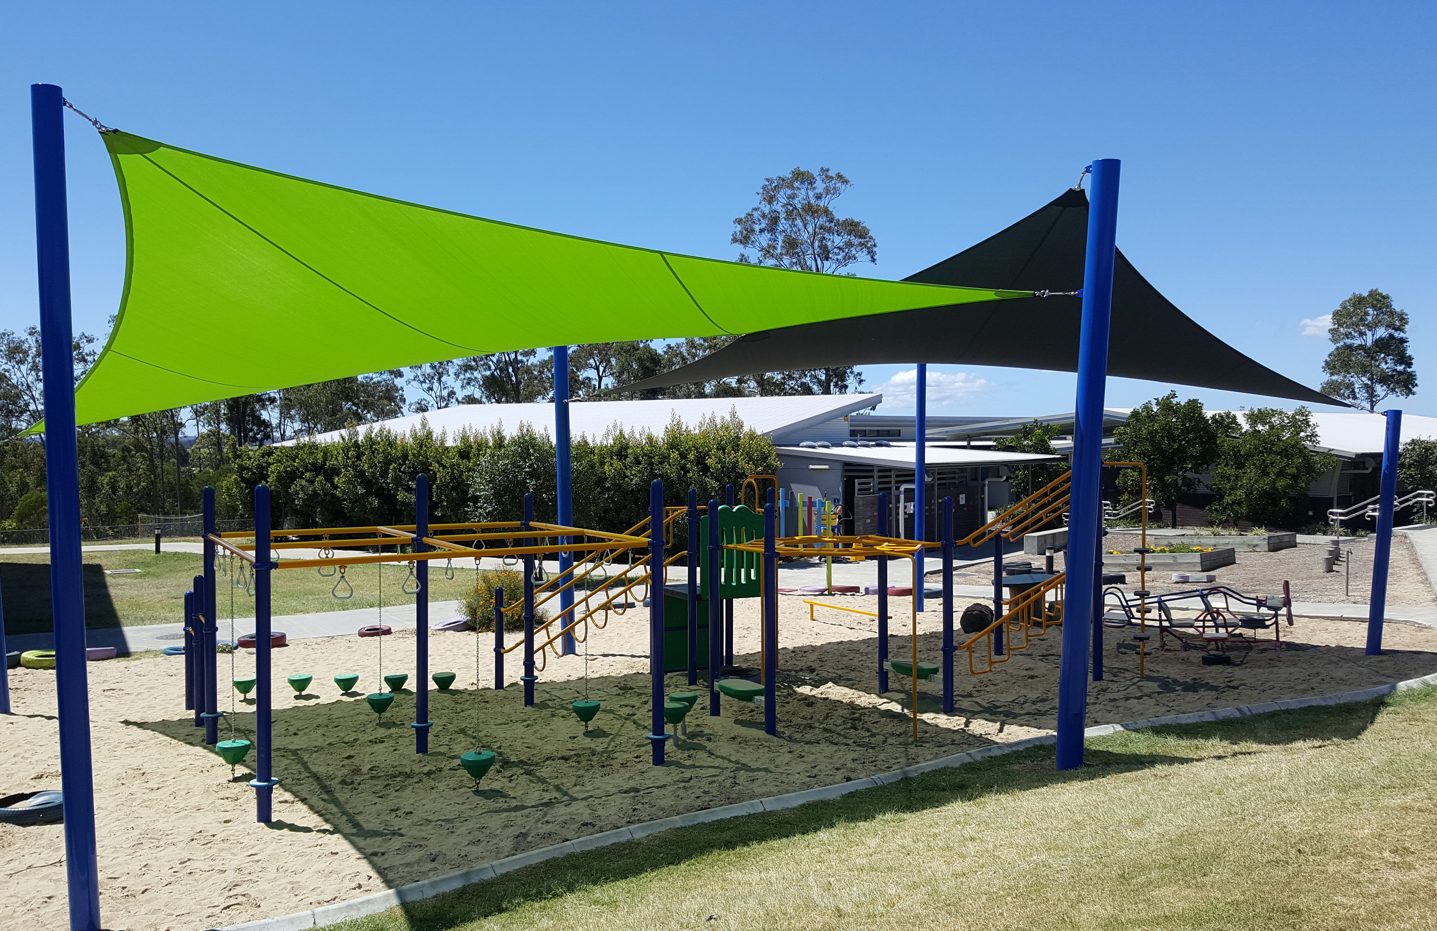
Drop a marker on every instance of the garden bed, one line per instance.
(1243, 542)
(1204, 561)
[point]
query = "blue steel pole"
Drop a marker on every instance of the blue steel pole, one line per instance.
(883, 597)
(209, 652)
(5, 671)
(208, 604)
(920, 478)
(949, 648)
(1098, 604)
(1084, 521)
(657, 734)
(52, 254)
(1382, 547)
(498, 639)
(712, 585)
(192, 659)
(528, 678)
(421, 723)
(770, 619)
(564, 485)
(264, 781)
(730, 500)
(693, 586)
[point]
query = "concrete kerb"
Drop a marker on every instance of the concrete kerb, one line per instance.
(325, 915)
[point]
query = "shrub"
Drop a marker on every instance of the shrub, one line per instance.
(478, 603)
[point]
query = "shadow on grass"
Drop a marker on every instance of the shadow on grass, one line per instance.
(26, 590)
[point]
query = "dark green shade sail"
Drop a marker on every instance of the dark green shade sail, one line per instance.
(242, 280)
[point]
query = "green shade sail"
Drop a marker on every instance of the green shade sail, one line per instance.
(240, 280)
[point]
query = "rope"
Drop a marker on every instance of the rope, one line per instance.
(100, 127)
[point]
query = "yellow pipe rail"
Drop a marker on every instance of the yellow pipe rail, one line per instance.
(823, 604)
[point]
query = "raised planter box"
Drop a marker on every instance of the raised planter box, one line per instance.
(1200, 562)
(1036, 544)
(1243, 542)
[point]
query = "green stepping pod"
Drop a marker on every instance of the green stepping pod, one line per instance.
(233, 752)
(245, 686)
(396, 680)
(300, 681)
(675, 711)
(476, 763)
(585, 709)
(742, 689)
(380, 701)
(444, 680)
(688, 698)
(925, 670)
(346, 681)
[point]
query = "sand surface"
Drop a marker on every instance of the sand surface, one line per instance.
(358, 811)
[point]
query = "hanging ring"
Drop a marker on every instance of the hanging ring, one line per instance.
(410, 585)
(343, 591)
(449, 569)
(327, 552)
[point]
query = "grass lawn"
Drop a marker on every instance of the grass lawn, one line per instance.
(153, 595)
(1314, 819)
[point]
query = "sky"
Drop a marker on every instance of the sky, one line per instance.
(1277, 157)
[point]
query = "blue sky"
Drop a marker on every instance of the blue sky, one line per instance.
(1276, 157)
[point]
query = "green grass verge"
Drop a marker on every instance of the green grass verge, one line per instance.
(153, 595)
(1313, 819)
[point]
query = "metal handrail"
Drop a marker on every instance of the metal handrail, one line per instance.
(1368, 508)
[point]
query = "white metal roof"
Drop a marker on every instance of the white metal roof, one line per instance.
(1351, 434)
(902, 457)
(768, 415)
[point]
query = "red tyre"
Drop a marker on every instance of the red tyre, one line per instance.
(277, 638)
(375, 630)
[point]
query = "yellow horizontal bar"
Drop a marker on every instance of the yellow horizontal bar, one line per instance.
(823, 604)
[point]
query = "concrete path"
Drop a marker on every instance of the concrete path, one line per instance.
(1424, 544)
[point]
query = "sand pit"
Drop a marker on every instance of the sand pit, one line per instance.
(358, 811)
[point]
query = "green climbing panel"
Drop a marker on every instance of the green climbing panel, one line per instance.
(676, 629)
(738, 571)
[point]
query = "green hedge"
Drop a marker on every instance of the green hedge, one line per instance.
(368, 478)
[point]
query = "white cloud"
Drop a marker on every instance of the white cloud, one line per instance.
(1316, 326)
(901, 391)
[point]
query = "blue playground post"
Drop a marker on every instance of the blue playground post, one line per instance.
(949, 648)
(1098, 603)
(208, 654)
(421, 723)
(693, 585)
(920, 479)
(263, 781)
(528, 678)
(206, 602)
(564, 486)
(1085, 520)
(5, 671)
(883, 597)
(657, 734)
(498, 639)
(711, 585)
(52, 254)
(730, 500)
(192, 657)
(1382, 546)
(770, 618)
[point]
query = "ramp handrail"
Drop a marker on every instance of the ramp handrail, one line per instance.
(1368, 508)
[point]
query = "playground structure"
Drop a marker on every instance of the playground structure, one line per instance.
(734, 302)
